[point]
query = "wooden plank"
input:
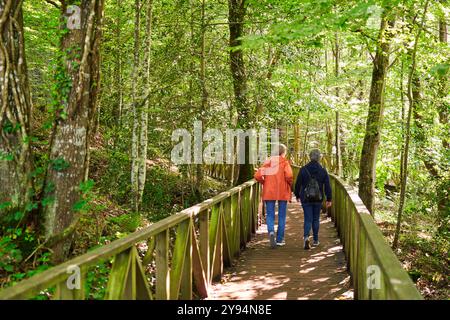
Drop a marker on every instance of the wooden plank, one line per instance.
(214, 228)
(235, 201)
(118, 282)
(178, 259)
(186, 276)
(228, 225)
(254, 205)
(198, 270)
(226, 255)
(141, 290)
(162, 266)
(204, 242)
(62, 289)
(217, 250)
(288, 272)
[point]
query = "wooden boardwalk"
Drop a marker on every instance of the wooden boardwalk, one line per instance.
(288, 272)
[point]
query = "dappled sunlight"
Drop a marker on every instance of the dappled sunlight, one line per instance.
(289, 272)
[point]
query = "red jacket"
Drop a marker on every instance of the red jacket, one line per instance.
(276, 177)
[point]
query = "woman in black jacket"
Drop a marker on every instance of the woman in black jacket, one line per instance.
(305, 193)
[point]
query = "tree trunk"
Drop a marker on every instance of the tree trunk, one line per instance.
(443, 90)
(337, 55)
(16, 107)
(204, 103)
(237, 9)
(117, 80)
(136, 110)
(143, 140)
(412, 105)
(338, 146)
(70, 136)
(296, 142)
(367, 167)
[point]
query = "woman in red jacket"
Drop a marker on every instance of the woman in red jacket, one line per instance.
(276, 177)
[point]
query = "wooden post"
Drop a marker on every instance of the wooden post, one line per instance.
(162, 266)
(186, 277)
(204, 242)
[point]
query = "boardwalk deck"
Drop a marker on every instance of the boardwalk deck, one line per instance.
(288, 272)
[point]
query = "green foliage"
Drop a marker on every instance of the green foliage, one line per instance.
(59, 164)
(97, 280)
(127, 223)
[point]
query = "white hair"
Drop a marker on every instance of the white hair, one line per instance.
(315, 155)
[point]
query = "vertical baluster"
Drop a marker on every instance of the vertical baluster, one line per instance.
(204, 242)
(73, 287)
(186, 277)
(162, 266)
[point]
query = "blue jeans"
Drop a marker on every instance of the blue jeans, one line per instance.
(270, 217)
(312, 219)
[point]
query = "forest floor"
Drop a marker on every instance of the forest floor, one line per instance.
(422, 251)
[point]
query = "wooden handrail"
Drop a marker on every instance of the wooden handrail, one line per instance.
(375, 270)
(198, 255)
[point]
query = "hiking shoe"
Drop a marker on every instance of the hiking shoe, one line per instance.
(316, 243)
(281, 244)
(273, 244)
(307, 245)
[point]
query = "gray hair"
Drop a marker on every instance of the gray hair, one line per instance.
(315, 155)
(280, 149)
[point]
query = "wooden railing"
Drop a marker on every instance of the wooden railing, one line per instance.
(185, 254)
(375, 270)
(220, 171)
(188, 251)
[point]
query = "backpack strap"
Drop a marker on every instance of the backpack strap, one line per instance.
(309, 174)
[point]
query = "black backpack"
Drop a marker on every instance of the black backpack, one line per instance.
(312, 190)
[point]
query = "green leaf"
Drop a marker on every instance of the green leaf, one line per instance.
(441, 69)
(9, 268)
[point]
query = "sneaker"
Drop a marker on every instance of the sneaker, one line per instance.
(307, 246)
(316, 243)
(281, 244)
(273, 244)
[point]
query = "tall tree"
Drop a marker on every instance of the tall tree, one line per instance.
(367, 167)
(443, 85)
(413, 95)
(15, 112)
(204, 91)
(236, 16)
(136, 109)
(78, 87)
(143, 139)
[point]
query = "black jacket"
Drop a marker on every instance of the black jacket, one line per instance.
(317, 171)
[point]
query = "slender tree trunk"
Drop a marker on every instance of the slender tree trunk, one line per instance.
(136, 110)
(296, 142)
(204, 103)
(338, 146)
(143, 140)
(444, 107)
(15, 113)
(337, 56)
(412, 104)
(367, 167)
(304, 156)
(118, 94)
(237, 10)
(70, 136)
(329, 133)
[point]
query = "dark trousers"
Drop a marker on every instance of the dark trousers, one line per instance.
(312, 219)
